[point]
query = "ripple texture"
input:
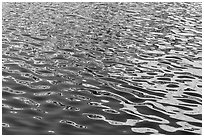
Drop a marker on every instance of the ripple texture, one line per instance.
(101, 68)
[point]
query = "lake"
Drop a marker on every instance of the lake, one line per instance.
(95, 68)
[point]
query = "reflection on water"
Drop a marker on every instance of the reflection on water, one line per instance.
(102, 68)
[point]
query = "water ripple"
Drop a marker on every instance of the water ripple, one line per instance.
(102, 68)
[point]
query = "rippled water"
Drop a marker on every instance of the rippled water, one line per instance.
(102, 68)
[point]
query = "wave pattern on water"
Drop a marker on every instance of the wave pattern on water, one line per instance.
(102, 68)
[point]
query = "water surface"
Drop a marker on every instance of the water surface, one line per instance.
(102, 68)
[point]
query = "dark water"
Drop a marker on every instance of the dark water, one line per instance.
(102, 68)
